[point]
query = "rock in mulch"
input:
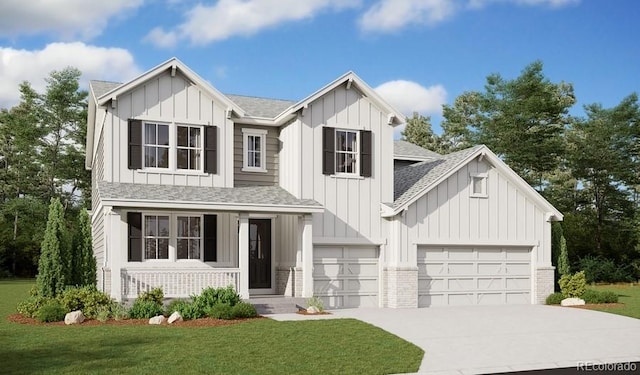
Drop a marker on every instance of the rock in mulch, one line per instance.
(175, 317)
(74, 317)
(312, 310)
(572, 302)
(157, 319)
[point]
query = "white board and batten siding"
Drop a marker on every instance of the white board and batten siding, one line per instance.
(174, 99)
(351, 203)
(472, 250)
(346, 276)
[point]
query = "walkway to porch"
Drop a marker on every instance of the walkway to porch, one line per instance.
(276, 304)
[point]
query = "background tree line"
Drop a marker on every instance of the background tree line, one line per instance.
(588, 167)
(41, 157)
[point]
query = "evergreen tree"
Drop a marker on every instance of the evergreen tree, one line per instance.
(418, 131)
(563, 258)
(52, 267)
(87, 261)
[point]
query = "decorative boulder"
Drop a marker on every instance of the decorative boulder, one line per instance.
(175, 317)
(74, 317)
(312, 310)
(157, 319)
(572, 302)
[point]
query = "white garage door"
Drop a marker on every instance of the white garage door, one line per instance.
(346, 276)
(474, 276)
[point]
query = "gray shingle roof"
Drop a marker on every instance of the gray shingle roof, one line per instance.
(414, 179)
(102, 87)
(253, 195)
(403, 149)
(260, 107)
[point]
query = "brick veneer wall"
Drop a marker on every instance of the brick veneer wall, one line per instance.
(544, 283)
(401, 287)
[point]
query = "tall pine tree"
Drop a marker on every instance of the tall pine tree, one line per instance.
(53, 267)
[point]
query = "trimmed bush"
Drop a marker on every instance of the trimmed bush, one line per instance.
(244, 310)
(573, 286)
(87, 298)
(554, 299)
(32, 305)
(154, 295)
(52, 311)
(596, 296)
(211, 297)
(220, 311)
(118, 311)
(142, 309)
(104, 313)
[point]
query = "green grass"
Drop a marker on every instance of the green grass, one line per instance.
(264, 346)
(628, 294)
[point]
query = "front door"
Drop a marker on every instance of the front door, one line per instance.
(259, 253)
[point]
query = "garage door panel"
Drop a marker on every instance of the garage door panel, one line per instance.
(346, 276)
(474, 275)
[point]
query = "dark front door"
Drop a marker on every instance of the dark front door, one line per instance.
(259, 253)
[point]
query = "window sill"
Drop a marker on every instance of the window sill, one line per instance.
(253, 170)
(181, 172)
(347, 176)
(478, 196)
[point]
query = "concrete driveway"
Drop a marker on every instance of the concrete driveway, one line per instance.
(490, 339)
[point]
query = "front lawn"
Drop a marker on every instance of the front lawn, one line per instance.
(628, 294)
(263, 346)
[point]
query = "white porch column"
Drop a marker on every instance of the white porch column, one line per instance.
(243, 255)
(307, 256)
(116, 250)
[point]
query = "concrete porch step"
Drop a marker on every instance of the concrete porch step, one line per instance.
(277, 304)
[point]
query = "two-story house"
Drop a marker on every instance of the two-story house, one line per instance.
(193, 188)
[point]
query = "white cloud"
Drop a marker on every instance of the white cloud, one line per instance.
(392, 15)
(68, 18)
(409, 97)
(227, 18)
(16, 66)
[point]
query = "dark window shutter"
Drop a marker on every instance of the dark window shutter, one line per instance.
(328, 150)
(366, 147)
(135, 144)
(134, 219)
(211, 149)
(210, 238)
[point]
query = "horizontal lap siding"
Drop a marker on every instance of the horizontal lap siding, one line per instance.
(170, 99)
(448, 214)
(268, 178)
(97, 234)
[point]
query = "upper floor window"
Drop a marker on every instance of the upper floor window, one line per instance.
(479, 185)
(156, 145)
(171, 146)
(346, 151)
(254, 150)
(189, 147)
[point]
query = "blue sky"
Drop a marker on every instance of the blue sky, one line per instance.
(419, 54)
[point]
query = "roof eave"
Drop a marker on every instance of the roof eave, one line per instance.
(218, 206)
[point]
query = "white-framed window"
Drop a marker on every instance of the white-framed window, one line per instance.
(346, 151)
(254, 150)
(156, 229)
(173, 146)
(189, 147)
(156, 145)
(479, 185)
(189, 237)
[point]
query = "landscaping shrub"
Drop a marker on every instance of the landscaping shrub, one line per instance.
(597, 296)
(52, 311)
(87, 298)
(176, 305)
(103, 314)
(554, 298)
(211, 297)
(142, 309)
(244, 310)
(220, 311)
(573, 286)
(317, 302)
(154, 295)
(31, 305)
(118, 311)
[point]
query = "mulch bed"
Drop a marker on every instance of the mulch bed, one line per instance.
(304, 312)
(204, 322)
